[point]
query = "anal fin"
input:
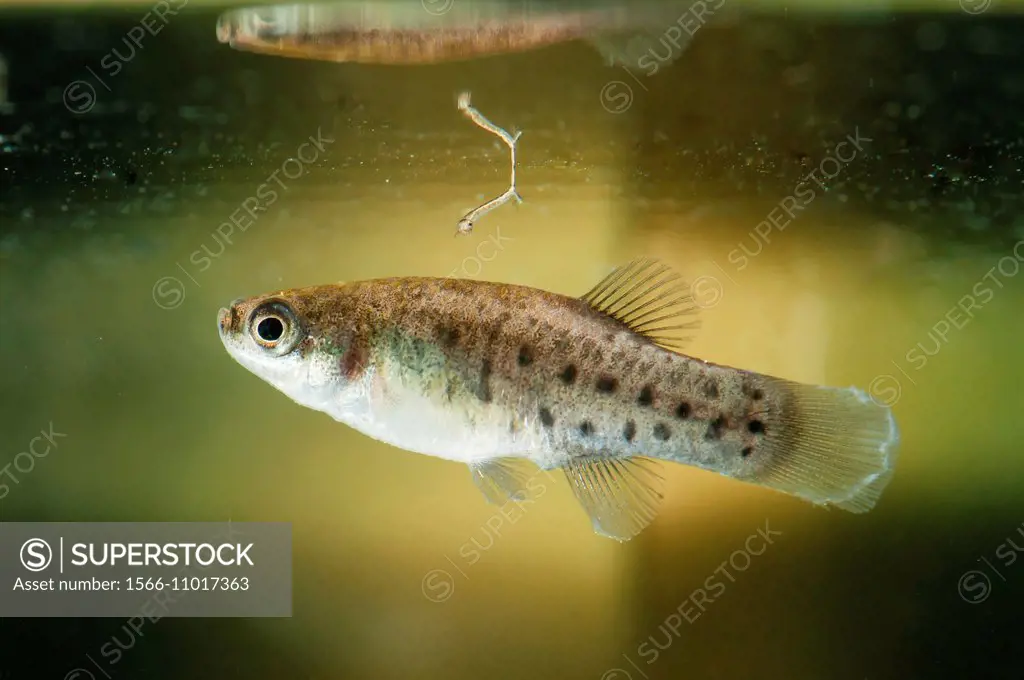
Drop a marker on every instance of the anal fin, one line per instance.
(621, 495)
(503, 479)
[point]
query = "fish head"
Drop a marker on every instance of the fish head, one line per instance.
(247, 27)
(304, 342)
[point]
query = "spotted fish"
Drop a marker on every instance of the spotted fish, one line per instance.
(507, 379)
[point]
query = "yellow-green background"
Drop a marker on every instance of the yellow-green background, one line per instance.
(163, 425)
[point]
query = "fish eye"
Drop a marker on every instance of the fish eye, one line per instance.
(273, 326)
(270, 329)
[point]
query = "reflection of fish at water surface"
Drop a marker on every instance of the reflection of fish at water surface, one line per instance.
(404, 32)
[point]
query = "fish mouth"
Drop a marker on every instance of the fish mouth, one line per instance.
(247, 26)
(225, 29)
(227, 319)
(224, 320)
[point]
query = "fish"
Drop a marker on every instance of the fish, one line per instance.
(513, 381)
(637, 34)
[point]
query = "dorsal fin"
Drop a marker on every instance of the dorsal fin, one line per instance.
(649, 298)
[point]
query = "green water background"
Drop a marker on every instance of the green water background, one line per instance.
(111, 274)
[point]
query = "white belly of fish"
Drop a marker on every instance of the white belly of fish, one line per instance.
(410, 420)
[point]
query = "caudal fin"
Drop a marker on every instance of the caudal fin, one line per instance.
(836, 446)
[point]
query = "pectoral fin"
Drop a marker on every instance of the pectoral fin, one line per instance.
(503, 479)
(621, 495)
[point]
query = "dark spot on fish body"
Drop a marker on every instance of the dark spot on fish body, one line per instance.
(646, 397)
(525, 356)
(753, 392)
(586, 428)
(683, 411)
(755, 427)
(449, 390)
(662, 432)
(353, 359)
(568, 376)
(610, 337)
(715, 429)
(546, 418)
(711, 390)
(449, 336)
(629, 432)
(747, 450)
(607, 384)
(483, 391)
